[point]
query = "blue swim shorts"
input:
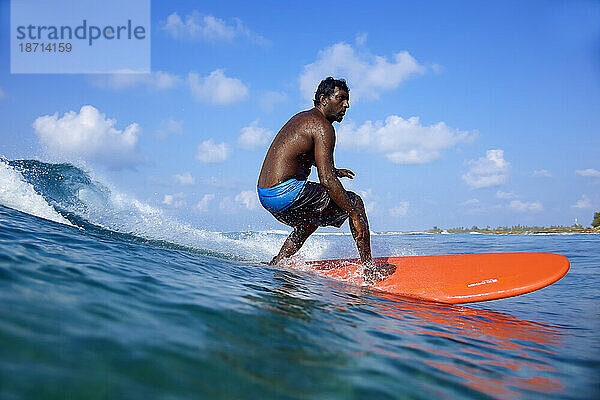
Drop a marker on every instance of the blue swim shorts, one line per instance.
(296, 202)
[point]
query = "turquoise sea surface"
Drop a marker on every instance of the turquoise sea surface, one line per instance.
(105, 297)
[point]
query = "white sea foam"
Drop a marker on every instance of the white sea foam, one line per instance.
(123, 213)
(275, 232)
(20, 195)
(106, 206)
(102, 204)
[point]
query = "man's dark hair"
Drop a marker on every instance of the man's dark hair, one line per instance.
(327, 87)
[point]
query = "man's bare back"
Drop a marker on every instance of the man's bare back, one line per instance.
(292, 154)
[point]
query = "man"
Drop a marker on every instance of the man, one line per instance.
(308, 139)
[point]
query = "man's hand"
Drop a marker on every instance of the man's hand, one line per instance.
(344, 173)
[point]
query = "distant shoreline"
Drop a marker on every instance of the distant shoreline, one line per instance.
(514, 230)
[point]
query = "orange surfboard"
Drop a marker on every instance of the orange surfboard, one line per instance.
(454, 279)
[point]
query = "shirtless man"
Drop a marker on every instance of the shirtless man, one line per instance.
(308, 139)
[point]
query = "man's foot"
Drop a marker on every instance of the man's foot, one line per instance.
(377, 273)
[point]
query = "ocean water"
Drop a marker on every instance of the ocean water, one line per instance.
(104, 297)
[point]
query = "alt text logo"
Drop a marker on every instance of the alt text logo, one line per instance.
(74, 36)
(85, 31)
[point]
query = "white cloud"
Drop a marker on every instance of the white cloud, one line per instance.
(369, 199)
(361, 38)
(584, 202)
(472, 202)
(169, 127)
(254, 137)
(197, 25)
(249, 34)
(89, 135)
(437, 68)
(490, 170)
(216, 88)
(174, 200)
(221, 183)
(588, 172)
(228, 206)
(505, 195)
(403, 141)
(204, 203)
(211, 152)
(2, 94)
(184, 179)
(210, 28)
(521, 206)
(367, 75)
(157, 80)
(400, 210)
(248, 198)
(542, 173)
(270, 99)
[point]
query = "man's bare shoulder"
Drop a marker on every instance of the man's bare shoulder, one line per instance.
(312, 121)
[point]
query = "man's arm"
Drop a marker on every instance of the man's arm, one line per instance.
(324, 140)
(324, 145)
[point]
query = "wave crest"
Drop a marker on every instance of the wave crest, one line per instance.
(67, 194)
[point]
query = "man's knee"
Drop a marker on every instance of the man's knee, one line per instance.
(355, 199)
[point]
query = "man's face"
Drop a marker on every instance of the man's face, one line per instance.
(337, 105)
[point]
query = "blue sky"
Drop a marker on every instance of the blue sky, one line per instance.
(462, 113)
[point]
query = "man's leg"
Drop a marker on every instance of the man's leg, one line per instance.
(363, 244)
(293, 243)
(372, 273)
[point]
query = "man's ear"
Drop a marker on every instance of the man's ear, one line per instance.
(323, 99)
